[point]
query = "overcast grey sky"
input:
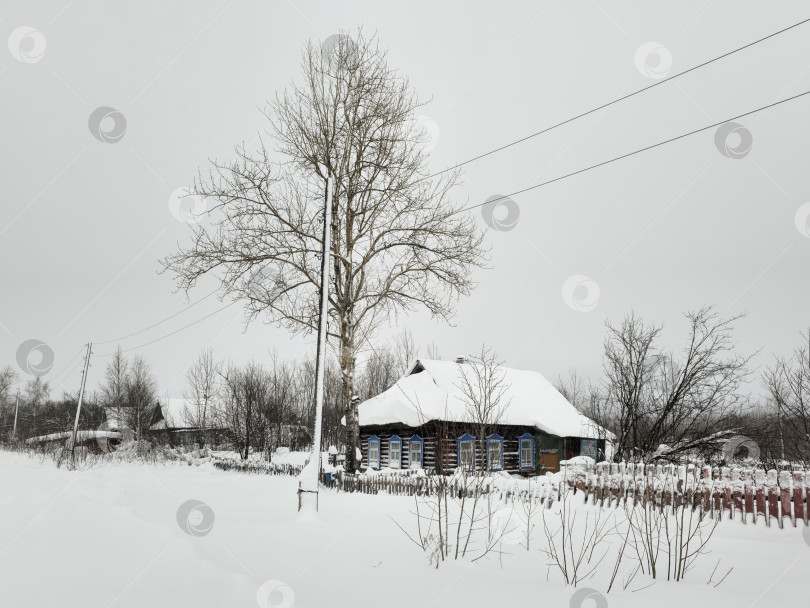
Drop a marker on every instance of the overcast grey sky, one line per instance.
(84, 222)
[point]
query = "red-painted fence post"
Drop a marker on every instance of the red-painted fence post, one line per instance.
(759, 482)
(630, 482)
(807, 497)
(784, 496)
(703, 485)
(598, 493)
(773, 497)
(725, 475)
(748, 488)
(737, 491)
(580, 481)
(798, 497)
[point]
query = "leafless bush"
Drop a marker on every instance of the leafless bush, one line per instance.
(576, 538)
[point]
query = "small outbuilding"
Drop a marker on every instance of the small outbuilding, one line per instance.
(424, 421)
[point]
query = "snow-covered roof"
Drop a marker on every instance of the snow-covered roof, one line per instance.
(432, 390)
(177, 413)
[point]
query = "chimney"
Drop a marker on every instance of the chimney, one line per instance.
(460, 360)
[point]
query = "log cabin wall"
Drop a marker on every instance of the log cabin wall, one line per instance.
(440, 443)
(385, 433)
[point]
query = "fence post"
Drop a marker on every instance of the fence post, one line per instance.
(784, 495)
(798, 497)
(737, 492)
(649, 489)
(759, 491)
(770, 484)
(748, 490)
(598, 484)
(705, 484)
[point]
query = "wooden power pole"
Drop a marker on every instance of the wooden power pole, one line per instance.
(16, 411)
(81, 396)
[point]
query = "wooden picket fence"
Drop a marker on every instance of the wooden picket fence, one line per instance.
(735, 493)
(775, 498)
(257, 467)
(748, 495)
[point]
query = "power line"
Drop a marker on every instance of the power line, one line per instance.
(61, 372)
(64, 377)
(159, 322)
(126, 350)
(612, 160)
(617, 100)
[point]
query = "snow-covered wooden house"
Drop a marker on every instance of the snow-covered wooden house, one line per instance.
(424, 421)
(176, 422)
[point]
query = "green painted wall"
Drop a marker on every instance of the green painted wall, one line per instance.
(545, 442)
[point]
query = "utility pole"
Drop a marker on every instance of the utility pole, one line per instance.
(81, 396)
(310, 485)
(16, 411)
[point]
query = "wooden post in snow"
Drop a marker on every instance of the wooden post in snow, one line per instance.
(81, 396)
(16, 411)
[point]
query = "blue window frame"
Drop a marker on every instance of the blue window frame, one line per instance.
(466, 452)
(395, 452)
(495, 452)
(374, 452)
(416, 452)
(587, 447)
(526, 452)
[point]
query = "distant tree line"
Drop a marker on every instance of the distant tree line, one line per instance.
(263, 405)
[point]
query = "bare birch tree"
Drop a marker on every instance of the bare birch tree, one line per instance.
(203, 390)
(114, 387)
(141, 392)
(482, 381)
(400, 241)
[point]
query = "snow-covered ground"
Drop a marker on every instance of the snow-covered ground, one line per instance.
(112, 536)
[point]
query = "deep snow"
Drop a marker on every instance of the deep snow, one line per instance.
(109, 536)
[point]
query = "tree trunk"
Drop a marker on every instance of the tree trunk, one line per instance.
(347, 365)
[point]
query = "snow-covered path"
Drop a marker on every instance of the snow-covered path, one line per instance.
(109, 536)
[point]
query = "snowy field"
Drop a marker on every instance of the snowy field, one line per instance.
(109, 536)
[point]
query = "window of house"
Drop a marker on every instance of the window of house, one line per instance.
(395, 452)
(415, 452)
(526, 452)
(494, 452)
(587, 447)
(466, 452)
(374, 452)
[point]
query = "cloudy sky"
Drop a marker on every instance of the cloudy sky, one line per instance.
(705, 220)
